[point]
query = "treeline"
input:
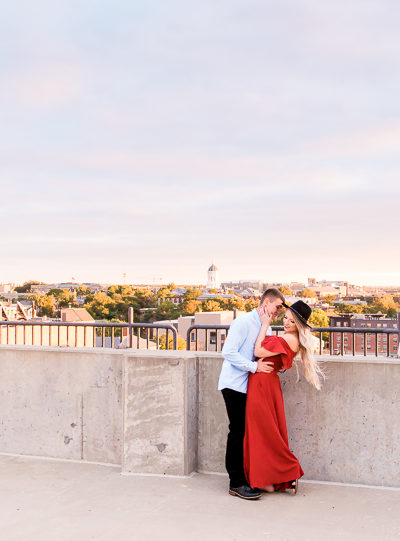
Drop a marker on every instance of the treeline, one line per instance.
(113, 305)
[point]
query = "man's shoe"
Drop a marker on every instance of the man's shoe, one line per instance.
(245, 492)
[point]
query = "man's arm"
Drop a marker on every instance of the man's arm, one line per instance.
(234, 341)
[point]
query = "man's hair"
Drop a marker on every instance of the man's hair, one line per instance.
(272, 294)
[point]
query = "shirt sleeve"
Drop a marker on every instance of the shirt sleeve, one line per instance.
(236, 337)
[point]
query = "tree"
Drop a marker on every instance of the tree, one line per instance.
(166, 310)
(66, 298)
(192, 294)
(27, 286)
(82, 290)
(191, 307)
(251, 304)
(318, 318)
(285, 290)
(101, 307)
(382, 304)
(211, 306)
(162, 342)
(48, 306)
(329, 299)
(308, 292)
(236, 303)
(45, 304)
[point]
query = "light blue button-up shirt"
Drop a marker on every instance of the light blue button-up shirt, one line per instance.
(238, 352)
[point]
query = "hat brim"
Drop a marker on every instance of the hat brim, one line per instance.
(298, 315)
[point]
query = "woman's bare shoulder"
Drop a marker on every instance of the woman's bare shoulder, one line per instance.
(292, 341)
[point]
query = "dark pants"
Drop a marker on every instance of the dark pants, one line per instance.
(235, 403)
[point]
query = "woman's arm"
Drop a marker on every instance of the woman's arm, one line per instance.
(259, 351)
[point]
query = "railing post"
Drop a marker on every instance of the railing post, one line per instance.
(130, 321)
(398, 334)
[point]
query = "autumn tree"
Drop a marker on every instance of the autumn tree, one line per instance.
(285, 290)
(318, 318)
(191, 307)
(308, 292)
(211, 306)
(162, 342)
(250, 304)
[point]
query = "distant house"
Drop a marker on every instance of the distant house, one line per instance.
(71, 315)
(250, 293)
(17, 311)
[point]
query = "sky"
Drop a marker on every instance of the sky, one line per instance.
(153, 138)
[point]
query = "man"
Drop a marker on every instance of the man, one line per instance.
(238, 354)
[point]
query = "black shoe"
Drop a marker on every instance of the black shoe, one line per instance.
(245, 492)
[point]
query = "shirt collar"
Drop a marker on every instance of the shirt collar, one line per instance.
(256, 316)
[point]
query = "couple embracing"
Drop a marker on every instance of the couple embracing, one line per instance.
(257, 451)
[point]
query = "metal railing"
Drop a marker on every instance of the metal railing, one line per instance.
(103, 334)
(148, 335)
(214, 335)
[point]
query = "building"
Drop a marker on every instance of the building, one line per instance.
(6, 288)
(213, 281)
(364, 343)
(206, 340)
(70, 315)
(16, 311)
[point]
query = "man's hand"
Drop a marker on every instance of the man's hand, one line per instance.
(265, 366)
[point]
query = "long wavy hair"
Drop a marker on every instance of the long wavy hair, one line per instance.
(312, 371)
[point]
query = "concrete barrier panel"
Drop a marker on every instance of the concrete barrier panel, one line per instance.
(350, 430)
(160, 413)
(213, 420)
(61, 403)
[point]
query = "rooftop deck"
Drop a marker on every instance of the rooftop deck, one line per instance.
(59, 500)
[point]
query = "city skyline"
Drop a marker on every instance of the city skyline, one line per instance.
(160, 281)
(151, 139)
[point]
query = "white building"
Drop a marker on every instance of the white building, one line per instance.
(213, 281)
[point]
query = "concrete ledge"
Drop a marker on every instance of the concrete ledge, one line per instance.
(160, 412)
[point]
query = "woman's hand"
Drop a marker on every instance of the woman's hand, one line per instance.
(265, 316)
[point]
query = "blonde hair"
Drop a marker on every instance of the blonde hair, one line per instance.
(312, 370)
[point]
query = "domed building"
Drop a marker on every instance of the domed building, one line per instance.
(213, 278)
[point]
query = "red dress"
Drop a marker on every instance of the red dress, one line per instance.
(267, 457)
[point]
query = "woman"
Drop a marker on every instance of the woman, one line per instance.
(268, 461)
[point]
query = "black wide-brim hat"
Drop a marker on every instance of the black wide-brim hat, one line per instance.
(302, 311)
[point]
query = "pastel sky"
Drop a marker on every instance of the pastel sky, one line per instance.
(152, 138)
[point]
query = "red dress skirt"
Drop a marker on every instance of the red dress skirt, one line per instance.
(267, 457)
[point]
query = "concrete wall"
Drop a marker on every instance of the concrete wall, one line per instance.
(347, 432)
(61, 403)
(160, 412)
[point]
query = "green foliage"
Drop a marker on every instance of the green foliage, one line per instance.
(192, 294)
(345, 308)
(45, 304)
(26, 287)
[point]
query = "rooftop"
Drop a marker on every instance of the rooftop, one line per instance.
(45, 500)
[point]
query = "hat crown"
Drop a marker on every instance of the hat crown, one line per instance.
(302, 309)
